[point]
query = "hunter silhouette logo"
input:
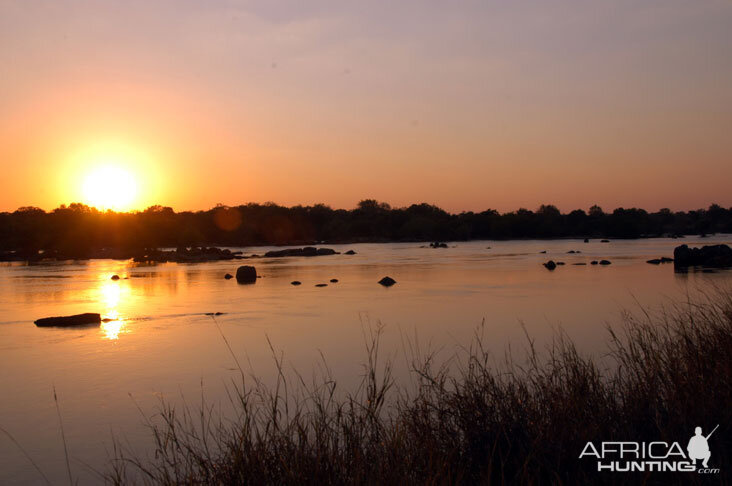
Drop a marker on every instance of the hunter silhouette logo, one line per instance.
(698, 447)
(658, 456)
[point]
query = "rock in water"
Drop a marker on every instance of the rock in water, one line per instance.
(321, 285)
(70, 321)
(714, 256)
(593, 262)
(605, 262)
(228, 276)
(387, 281)
(334, 280)
(115, 277)
(550, 265)
(307, 251)
(350, 252)
(654, 261)
(246, 274)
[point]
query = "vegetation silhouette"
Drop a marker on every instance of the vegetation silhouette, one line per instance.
(466, 418)
(80, 231)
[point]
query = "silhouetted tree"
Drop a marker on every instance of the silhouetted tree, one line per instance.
(77, 230)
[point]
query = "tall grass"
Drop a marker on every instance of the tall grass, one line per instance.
(469, 421)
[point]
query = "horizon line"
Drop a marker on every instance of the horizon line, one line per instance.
(380, 204)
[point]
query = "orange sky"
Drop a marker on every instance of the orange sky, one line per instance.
(473, 106)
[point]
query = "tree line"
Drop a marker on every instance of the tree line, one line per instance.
(77, 229)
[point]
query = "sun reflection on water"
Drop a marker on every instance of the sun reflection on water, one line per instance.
(112, 294)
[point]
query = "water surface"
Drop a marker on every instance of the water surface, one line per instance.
(162, 343)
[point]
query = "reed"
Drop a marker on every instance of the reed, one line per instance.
(467, 420)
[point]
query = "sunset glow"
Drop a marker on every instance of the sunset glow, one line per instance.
(110, 187)
(479, 105)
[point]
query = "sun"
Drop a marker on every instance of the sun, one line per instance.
(110, 187)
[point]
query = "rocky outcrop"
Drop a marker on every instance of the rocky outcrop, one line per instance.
(187, 255)
(712, 256)
(87, 319)
(246, 274)
(308, 251)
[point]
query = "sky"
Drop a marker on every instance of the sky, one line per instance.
(468, 105)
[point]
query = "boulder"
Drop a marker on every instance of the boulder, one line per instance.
(550, 265)
(295, 282)
(713, 256)
(228, 276)
(593, 262)
(115, 277)
(387, 281)
(334, 280)
(605, 262)
(86, 319)
(246, 274)
(350, 252)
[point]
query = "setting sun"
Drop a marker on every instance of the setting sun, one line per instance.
(110, 187)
